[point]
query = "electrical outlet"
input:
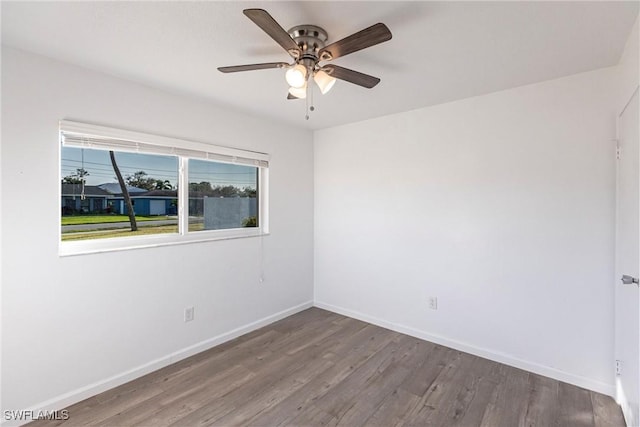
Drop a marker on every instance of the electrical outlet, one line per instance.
(189, 314)
(618, 368)
(433, 303)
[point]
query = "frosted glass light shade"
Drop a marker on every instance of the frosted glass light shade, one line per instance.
(324, 81)
(296, 76)
(299, 92)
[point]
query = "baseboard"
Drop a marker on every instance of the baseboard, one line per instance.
(496, 356)
(64, 400)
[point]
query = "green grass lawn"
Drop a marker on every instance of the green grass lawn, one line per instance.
(126, 232)
(121, 232)
(101, 219)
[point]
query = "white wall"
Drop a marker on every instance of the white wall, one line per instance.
(71, 323)
(628, 70)
(501, 206)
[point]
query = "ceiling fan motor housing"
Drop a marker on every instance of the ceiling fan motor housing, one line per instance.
(310, 39)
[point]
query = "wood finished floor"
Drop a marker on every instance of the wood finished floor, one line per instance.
(318, 368)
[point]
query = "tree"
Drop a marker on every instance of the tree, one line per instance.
(250, 221)
(249, 192)
(125, 192)
(205, 188)
(71, 179)
(201, 187)
(226, 191)
(141, 179)
(163, 185)
(76, 178)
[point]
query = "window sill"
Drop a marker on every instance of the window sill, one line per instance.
(71, 248)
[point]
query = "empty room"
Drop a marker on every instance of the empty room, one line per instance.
(371, 213)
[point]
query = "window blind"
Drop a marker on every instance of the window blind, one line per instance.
(82, 135)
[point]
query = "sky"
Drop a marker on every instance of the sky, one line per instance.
(98, 164)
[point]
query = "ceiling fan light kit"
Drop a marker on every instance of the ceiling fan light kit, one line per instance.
(298, 92)
(306, 44)
(324, 81)
(296, 76)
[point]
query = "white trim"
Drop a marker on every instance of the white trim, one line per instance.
(96, 246)
(263, 200)
(183, 196)
(68, 126)
(184, 150)
(496, 356)
(64, 400)
(628, 102)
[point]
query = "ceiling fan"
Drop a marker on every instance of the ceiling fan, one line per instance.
(306, 44)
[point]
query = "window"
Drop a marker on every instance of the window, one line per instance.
(222, 196)
(122, 189)
(95, 206)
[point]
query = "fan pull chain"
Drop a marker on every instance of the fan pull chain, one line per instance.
(306, 101)
(311, 108)
(309, 100)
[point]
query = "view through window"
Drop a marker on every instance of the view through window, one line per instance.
(222, 196)
(117, 184)
(95, 204)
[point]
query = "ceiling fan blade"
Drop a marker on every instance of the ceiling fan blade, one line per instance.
(249, 67)
(262, 19)
(368, 37)
(351, 76)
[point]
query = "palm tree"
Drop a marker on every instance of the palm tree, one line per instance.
(125, 192)
(163, 185)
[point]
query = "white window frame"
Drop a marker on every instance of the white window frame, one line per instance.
(83, 135)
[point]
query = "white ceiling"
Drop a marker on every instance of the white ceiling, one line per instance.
(440, 51)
